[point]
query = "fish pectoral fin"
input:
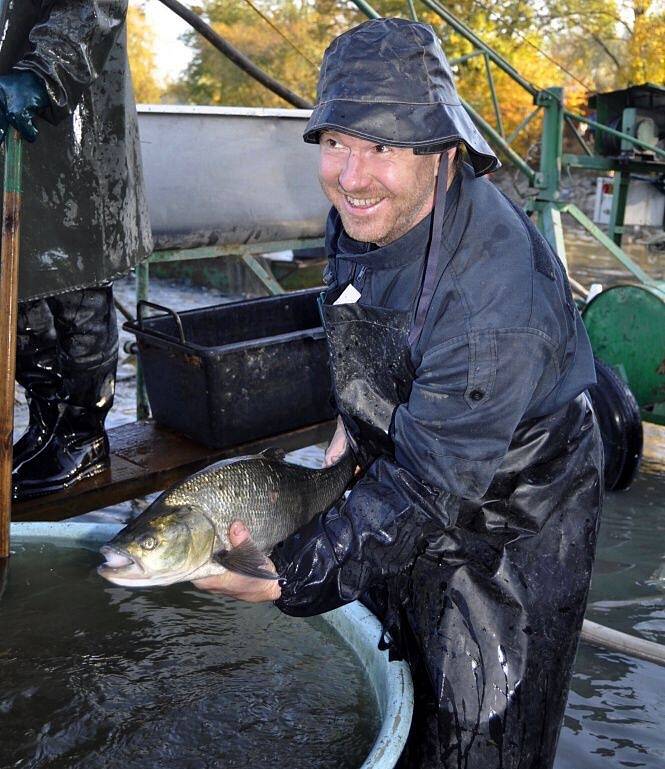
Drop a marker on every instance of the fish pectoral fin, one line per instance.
(245, 559)
(274, 453)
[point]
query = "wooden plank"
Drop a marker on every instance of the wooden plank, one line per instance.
(146, 458)
(9, 264)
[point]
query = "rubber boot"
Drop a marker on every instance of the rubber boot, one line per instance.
(37, 372)
(87, 338)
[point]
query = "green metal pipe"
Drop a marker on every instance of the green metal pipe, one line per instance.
(484, 126)
(632, 139)
(367, 9)
(523, 124)
(551, 143)
(466, 57)
(610, 245)
(469, 35)
(600, 163)
(495, 98)
(412, 10)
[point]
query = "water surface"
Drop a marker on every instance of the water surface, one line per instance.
(616, 707)
(100, 677)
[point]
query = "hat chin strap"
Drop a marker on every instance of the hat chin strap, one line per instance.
(433, 251)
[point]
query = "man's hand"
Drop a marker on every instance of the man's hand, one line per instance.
(337, 445)
(23, 96)
(236, 585)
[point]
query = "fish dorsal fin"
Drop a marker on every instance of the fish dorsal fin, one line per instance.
(245, 559)
(274, 453)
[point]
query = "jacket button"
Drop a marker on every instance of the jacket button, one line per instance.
(476, 395)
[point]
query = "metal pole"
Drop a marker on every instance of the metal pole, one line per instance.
(548, 180)
(469, 35)
(613, 132)
(142, 292)
(234, 55)
(609, 244)
(495, 98)
(11, 221)
(619, 199)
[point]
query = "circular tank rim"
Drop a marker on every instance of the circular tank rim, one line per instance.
(393, 687)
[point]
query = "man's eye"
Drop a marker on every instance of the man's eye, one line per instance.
(381, 149)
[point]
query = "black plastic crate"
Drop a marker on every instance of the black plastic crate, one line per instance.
(236, 372)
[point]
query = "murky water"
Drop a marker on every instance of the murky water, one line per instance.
(590, 263)
(100, 677)
(616, 707)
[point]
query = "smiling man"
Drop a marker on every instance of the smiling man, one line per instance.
(459, 373)
(379, 191)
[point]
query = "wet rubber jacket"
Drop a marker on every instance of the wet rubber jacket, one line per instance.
(84, 218)
(472, 531)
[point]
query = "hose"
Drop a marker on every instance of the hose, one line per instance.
(599, 635)
(234, 55)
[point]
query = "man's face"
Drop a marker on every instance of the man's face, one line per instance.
(380, 192)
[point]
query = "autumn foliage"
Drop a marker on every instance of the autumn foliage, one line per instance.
(582, 45)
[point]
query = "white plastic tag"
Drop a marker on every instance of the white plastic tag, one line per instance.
(350, 295)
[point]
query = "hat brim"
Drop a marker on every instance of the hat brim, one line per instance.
(426, 128)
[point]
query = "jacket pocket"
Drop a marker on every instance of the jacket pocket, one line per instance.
(482, 367)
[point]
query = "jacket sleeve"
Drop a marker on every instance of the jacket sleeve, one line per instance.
(467, 399)
(68, 48)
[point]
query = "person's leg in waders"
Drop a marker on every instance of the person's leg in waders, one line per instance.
(38, 373)
(86, 356)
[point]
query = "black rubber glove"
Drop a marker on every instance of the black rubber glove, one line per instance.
(23, 96)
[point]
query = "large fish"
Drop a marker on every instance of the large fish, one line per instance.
(183, 535)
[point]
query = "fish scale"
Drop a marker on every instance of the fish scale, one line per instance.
(271, 496)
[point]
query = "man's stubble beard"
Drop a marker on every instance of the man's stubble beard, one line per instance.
(412, 210)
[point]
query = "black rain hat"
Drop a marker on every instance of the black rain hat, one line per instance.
(387, 80)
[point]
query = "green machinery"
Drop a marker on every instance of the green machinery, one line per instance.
(626, 323)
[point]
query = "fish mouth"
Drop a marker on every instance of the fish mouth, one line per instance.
(123, 570)
(119, 565)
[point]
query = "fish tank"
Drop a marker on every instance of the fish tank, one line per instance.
(96, 675)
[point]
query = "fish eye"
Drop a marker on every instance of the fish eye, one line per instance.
(148, 542)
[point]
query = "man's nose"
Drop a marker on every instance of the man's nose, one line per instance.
(354, 175)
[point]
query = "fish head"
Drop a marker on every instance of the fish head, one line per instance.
(161, 546)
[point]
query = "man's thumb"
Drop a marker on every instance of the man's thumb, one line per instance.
(238, 533)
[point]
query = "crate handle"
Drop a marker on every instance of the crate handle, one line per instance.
(145, 303)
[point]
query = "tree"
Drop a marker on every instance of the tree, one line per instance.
(141, 51)
(292, 57)
(583, 45)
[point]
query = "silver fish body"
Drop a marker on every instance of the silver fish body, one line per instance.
(183, 534)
